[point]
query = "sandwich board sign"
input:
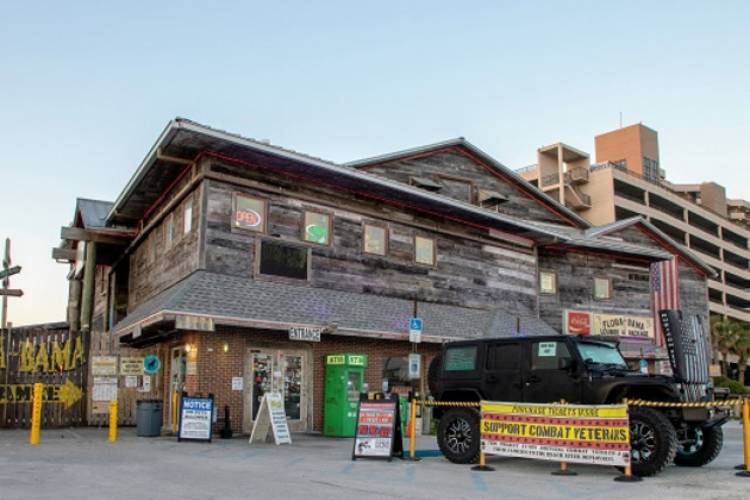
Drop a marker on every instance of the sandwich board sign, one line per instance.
(195, 418)
(271, 417)
(378, 431)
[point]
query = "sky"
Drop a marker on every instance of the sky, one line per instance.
(86, 87)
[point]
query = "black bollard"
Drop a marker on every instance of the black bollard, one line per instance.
(226, 432)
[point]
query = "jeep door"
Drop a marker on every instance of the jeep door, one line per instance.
(550, 373)
(501, 379)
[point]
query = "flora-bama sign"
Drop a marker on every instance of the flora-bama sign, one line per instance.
(46, 357)
(613, 325)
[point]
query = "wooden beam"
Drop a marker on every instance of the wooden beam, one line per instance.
(11, 292)
(63, 254)
(109, 236)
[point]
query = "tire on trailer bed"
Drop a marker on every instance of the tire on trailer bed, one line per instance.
(458, 435)
(708, 443)
(653, 441)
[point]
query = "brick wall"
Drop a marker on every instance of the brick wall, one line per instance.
(216, 366)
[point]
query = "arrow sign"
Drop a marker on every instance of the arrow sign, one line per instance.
(9, 272)
(11, 292)
(69, 394)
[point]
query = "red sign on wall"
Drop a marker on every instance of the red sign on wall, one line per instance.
(579, 323)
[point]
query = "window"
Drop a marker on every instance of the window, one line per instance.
(602, 288)
(276, 258)
(460, 359)
(168, 231)
(155, 240)
(249, 213)
(548, 355)
(424, 251)
(317, 228)
(375, 239)
(547, 282)
(504, 357)
(187, 216)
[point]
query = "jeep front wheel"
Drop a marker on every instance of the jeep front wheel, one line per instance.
(458, 435)
(653, 441)
(703, 446)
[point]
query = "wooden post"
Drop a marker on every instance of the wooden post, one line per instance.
(36, 414)
(89, 275)
(564, 470)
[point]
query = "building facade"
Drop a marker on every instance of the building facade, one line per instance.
(628, 181)
(221, 247)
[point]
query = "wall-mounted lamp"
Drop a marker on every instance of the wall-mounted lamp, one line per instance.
(226, 347)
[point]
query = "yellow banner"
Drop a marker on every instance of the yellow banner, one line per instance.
(555, 410)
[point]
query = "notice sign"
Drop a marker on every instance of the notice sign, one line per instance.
(558, 432)
(132, 365)
(195, 419)
(271, 417)
(613, 325)
(104, 365)
(378, 432)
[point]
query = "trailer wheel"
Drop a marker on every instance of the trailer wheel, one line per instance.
(706, 445)
(653, 441)
(458, 435)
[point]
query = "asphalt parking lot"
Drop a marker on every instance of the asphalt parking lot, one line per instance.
(80, 464)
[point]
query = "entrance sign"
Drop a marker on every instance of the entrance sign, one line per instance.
(558, 432)
(378, 432)
(305, 334)
(195, 418)
(271, 417)
(415, 330)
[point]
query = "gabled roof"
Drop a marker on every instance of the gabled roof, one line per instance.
(666, 240)
(189, 140)
(93, 212)
(241, 301)
(482, 157)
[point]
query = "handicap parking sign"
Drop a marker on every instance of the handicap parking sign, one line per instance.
(415, 330)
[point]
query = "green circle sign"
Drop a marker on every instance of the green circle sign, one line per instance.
(151, 364)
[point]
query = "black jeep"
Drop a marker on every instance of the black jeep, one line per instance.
(582, 370)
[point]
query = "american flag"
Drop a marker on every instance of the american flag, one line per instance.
(665, 292)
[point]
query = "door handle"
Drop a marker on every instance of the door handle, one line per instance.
(533, 379)
(491, 378)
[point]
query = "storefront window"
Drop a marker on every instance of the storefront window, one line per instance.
(547, 282)
(424, 251)
(262, 378)
(375, 239)
(317, 228)
(249, 213)
(602, 288)
(187, 221)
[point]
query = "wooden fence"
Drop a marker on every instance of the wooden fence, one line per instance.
(49, 354)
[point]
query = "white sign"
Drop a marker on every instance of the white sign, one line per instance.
(103, 365)
(200, 323)
(131, 381)
(547, 349)
(191, 368)
(271, 417)
(132, 365)
(415, 366)
(305, 334)
(195, 418)
(415, 330)
(105, 388)
(237, 383)
(146, 384)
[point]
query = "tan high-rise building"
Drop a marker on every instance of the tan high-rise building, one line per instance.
(627, 180)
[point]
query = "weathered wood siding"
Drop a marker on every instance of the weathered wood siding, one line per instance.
(576, 273)
(155, 266)
(447, 167)
(694, 293)
(469, 273)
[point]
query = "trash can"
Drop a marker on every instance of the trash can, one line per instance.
(148, 417)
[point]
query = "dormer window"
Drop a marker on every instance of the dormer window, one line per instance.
(425, 183)
(491, 200)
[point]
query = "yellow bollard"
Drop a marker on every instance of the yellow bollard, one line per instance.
(413, 430)
(746, 438)
(113, 409)
(36, 414)
(174, 412)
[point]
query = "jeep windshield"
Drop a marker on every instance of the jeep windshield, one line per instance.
(596, 353)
